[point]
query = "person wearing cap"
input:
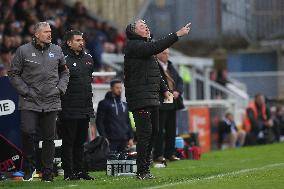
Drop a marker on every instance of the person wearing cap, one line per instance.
(143, 85)
(40, 76)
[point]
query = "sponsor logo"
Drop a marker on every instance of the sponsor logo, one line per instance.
(51, 55)
(9, 164)
(6, 107)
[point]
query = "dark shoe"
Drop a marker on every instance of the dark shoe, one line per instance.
(47, 176)
(145, 176)
(2, 177)
(29, 174)
(71, 177)
(160, 159)
(84, 176)
(174, 158)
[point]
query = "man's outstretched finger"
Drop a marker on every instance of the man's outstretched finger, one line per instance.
(187, 25)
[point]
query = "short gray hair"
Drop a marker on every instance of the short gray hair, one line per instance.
(133, 24)
(40, 25)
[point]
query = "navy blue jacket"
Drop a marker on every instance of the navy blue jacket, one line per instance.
(113, 119)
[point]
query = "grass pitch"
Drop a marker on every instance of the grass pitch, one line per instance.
(260, 167)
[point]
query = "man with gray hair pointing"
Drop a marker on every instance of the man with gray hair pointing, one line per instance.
(40, 76)
(143, 86)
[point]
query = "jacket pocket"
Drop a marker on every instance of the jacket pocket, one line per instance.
(56, 91)
(53, 92)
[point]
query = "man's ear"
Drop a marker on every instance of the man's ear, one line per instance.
(69, 43)
(36, 35)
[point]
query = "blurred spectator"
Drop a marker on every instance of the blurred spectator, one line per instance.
(119, 41)
(213, 75)
(258, 122)
(165, 140)
(3, 71)
(28, 32)
(95, 44)
(229, 134)
(5, 57)
(222, 77)
(279, 123)
(113, 119)
(77, 12)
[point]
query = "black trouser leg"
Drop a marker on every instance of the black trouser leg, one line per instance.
(68, 132)
(78, 148)
(146, 121)
(48, 130)
(276, 131)
(159, 139)
(29, 122)
(155, 129)
(170, 133)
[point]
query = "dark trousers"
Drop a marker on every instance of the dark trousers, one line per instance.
(146, 122)
(118, 145)
(165, 140)
(74, 134)
(35, 125)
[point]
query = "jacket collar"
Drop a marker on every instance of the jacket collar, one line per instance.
(68, 51)
(109, 95)
(38, 47)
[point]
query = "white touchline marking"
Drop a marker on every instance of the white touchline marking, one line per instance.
(68, 186)
(217, 176)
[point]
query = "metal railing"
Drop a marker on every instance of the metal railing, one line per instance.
(269, 83)
(199, 90)
(200, 87)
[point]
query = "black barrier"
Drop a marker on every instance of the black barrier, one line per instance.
(10, 138)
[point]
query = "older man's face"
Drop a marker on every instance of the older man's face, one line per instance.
(164, 56)
(44, 34)
(142, 29)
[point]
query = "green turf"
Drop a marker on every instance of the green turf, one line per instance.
(258, 167)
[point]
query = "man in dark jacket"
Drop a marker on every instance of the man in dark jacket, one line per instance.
(40, 76)
(113, 119)
(143, 84)
(77, 106)
(165, 140)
